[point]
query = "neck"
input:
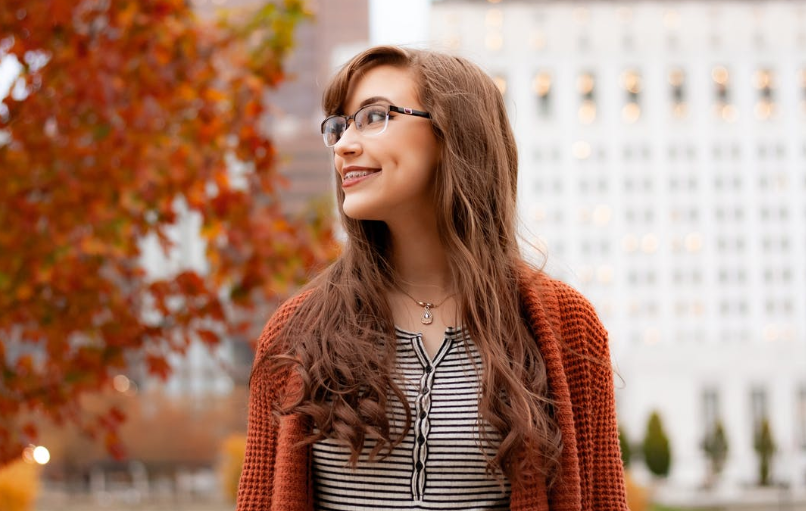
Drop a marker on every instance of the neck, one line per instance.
(420, 260)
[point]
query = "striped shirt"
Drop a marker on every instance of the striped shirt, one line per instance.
(440, 463)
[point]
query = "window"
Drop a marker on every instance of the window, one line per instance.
(765, 106)
(677, 80)
(631, 81)
(494, 18)
(541, 85)
(803, 90)
(710, 408)
(494, 41)
(538, 40)
(722, 104)
(586, 86)
(801, 416)
(501, 83)
(758, 406)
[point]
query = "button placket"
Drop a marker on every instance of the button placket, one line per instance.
(422, 424)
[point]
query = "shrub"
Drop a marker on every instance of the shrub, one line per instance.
(657, 454)
(764, 445)
(233, 451)
(715, 445)
(626, 450)
(19, 486)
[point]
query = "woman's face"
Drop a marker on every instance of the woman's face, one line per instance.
(401, 161)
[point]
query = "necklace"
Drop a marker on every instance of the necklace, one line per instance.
(428, 316)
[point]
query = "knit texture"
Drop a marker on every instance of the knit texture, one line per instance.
(277, 470)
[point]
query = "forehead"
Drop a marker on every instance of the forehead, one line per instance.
(396, 84)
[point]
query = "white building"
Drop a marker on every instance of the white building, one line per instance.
(663, 167)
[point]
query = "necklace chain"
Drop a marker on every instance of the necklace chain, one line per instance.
(428, 316)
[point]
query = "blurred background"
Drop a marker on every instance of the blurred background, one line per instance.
(662, 172)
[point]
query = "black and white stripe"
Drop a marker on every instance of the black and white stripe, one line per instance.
(440, 463)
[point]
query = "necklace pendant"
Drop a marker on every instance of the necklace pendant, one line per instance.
(427, 318)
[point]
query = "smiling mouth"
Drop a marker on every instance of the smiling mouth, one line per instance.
(355, 174)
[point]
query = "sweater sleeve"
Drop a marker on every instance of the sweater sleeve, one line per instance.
(255, 488)
(590, 378)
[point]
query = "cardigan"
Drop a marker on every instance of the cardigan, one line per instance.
(276, 473)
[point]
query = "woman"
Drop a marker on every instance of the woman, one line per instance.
(429, 367)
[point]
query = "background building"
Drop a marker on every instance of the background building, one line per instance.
(663, 171)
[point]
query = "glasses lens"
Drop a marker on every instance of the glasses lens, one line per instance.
(371, 119)
(332, 130)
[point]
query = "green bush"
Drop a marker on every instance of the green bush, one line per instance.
(626, 450)
(657, 454)
(764, 444)
(715, 445)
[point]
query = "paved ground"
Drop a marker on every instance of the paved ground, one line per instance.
(54, 502)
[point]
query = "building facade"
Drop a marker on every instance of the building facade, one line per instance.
(663, 172)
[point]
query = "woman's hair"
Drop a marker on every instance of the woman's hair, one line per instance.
(341, 339)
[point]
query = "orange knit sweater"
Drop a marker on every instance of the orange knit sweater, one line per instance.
(277, 475)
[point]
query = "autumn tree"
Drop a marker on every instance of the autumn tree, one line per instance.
(127, 118)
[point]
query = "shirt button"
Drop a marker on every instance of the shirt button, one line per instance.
(421, 439)
(427, 369)
(422, 414)
(425, 390)
(419, 465)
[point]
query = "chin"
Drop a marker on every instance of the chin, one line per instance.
(361, 212)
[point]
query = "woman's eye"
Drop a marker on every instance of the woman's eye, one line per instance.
(374, 116)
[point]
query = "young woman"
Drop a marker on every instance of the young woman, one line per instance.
(429, 367)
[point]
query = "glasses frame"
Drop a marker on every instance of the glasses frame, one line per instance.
(389, 109)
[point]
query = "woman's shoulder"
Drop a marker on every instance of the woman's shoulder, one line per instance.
(572, 316)
(279, 319)
(557, 296)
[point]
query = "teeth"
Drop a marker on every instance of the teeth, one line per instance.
(356, 174)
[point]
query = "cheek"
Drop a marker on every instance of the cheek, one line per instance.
(430, 156)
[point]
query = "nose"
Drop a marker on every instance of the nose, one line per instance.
(349, 143)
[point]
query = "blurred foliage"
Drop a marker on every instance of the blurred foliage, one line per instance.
(656, 450)
(19, 485)
(190, 432)
(637, 496)
(127, 118)
(715, 445)
(765, 448)
(233, 451)
(626, 450)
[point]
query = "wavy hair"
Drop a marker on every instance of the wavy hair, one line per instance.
(341, 339)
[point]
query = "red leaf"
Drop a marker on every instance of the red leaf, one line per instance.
(158, 366)
(208, 337)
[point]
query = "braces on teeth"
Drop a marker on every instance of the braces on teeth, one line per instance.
(356, 174)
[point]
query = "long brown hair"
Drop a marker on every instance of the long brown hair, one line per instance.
(341, 339)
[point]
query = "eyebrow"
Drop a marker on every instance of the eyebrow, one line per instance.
(374, 99)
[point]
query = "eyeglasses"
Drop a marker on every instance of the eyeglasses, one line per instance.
(368, 120)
